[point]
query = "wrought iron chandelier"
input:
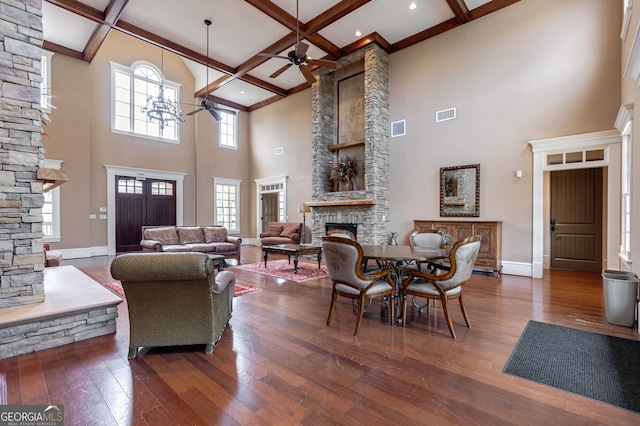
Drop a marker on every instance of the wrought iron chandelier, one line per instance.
(160, 109)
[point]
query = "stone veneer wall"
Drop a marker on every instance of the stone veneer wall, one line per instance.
(21, 199)
(52, 332)
(373, 221)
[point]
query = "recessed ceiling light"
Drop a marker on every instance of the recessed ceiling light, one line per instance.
(412, 5)
(358, 33)
(242, 92)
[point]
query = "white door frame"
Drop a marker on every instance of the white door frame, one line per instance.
(113, 171)
(263, 182)
(609, 141)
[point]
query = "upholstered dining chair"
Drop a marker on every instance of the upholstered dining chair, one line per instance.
(344, 233)
(447, 286)
(343, 257)
(427, 239)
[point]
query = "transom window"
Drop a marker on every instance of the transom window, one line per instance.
(131, 87)
(227, 130)
(129, 186)
(161, 188)
(227, 203)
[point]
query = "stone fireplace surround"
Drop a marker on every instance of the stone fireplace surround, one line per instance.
(368, 207)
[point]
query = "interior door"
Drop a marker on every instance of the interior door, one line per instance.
(576, 219)
(142, 202)
(269, 209)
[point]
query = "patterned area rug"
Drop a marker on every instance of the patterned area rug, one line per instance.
(281, 268)
(240, 290)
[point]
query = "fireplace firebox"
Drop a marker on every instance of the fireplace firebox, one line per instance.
(351, 227)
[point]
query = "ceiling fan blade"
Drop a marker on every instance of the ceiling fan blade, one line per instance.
(322, 63)
(197, 110)
(271, 55)
(306, 72)
(301, 49)
(280, 71)
(215, 114)
(228, 111)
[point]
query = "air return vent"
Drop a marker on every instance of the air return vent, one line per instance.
(446, 114)
(398, 128)
(279, 150)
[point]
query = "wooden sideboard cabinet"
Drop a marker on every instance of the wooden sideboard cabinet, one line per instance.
(490, 255)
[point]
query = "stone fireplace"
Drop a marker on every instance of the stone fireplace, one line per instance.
(353, 122)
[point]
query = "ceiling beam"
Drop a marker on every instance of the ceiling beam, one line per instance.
(490, 7)
(460, 9)
(365, 41)
(80, 9)
(426, 34)
(111, 16)
(56, 48)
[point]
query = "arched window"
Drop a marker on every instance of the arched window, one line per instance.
(131, 87)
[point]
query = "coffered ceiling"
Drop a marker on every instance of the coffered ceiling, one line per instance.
(241, 29)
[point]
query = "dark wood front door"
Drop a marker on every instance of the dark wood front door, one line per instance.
(269, 209)
(142, 202)
(576, 219)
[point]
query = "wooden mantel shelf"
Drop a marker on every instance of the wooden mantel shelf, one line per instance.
(360, 202)
(52, 178)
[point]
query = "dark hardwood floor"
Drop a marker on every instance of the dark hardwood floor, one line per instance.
(278, 363)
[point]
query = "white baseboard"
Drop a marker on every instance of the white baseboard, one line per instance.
(78, 253)
(517, 268)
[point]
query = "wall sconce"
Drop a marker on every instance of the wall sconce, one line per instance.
(518, 174)
(304, 209)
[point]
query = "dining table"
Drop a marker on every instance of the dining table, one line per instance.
(395, 258)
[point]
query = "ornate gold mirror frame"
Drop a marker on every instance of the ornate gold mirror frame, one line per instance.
(460, 191)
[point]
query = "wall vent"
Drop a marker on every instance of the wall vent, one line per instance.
(398, 128)
(446, 114)
(279, 150)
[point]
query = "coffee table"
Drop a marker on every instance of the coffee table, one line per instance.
(294, 250)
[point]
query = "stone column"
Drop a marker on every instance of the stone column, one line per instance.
(21, 199)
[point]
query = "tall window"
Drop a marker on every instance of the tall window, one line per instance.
(227, 203)
(51, 208)
(131, 86)
(227, 129)
(45, 84)
(625, 188)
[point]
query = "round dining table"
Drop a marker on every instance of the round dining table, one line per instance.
(395, 257)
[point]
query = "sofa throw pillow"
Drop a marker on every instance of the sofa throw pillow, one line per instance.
(215, 234)
(190, 234)
(289, 230)
(167, 235)
(274, 229)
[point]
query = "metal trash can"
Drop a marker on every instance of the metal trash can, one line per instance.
(620, 296)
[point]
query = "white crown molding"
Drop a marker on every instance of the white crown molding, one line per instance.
(583, 141)
(632, 70)
(625, 116)
(626, 19)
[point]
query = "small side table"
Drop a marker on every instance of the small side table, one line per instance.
(218, 260)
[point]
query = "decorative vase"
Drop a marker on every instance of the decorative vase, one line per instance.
(348, 186)
(394, 238)
(335, 186)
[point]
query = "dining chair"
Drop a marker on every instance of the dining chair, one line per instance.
(427, 239)
(343, 258)
(447, 286)
(344, 233)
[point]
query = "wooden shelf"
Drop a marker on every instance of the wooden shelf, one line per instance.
(360, 202)
(339, 146)
(52, 178)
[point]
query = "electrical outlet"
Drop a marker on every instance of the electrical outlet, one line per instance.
(103, 209)
(103, 216)
(92, 216)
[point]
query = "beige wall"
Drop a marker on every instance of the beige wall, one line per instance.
(537, 69)
(286, 124)
(80, 136)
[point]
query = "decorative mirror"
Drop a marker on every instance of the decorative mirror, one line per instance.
(460, 191)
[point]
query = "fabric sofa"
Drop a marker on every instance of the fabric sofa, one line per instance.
(180, 239)
(173, 299)
(281, 233)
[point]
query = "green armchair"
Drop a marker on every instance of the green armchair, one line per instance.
(173, 299)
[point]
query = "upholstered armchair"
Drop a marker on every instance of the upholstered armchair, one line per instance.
(344, 260)
(447, 286)
(174, 299)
